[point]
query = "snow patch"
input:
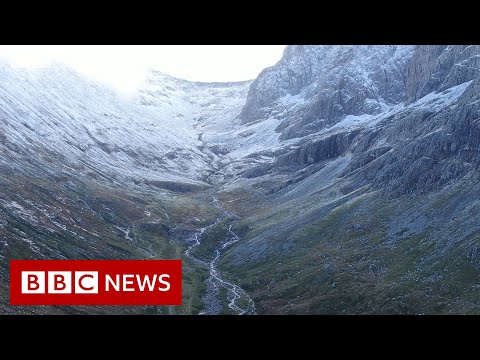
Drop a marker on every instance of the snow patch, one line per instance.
(435, 100)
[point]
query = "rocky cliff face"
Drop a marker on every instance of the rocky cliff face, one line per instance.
(326, 83)
(392, 107)
(439, 67)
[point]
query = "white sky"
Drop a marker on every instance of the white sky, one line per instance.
(125, 66)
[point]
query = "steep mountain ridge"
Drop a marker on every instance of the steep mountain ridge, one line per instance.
(371, 135)
(56, 115)
(439, 67)
(331, 82)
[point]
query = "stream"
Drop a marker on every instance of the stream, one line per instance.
(215, 282)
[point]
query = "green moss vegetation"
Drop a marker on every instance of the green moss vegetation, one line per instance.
(85, 220)
(349, 262)
(326, 253)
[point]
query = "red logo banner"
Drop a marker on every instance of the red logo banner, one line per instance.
(95, 282)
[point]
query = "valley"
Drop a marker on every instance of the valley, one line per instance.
(343, 180)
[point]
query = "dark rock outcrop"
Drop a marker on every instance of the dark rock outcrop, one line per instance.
(328, 82)
(439, 67)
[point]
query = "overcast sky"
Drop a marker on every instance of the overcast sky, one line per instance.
(125, 66)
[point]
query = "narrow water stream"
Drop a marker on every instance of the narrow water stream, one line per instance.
(238, 300)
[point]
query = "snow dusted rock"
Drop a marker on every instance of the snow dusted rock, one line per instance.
(55, 118)
(439, 67)
(317, 102)
(316, 86)
(397, 104)
(199, 105)
(474, 255)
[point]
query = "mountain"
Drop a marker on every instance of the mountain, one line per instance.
(87, 174)
(374, 212)
(343, 179)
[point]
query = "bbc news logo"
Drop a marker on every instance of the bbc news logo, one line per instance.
(95, 282)
(59, 282)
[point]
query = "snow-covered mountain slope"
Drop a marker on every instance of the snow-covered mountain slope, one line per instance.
(311, 91)
(204, 106)
(325, 83)
(210, 109)
(313, 88)
(176, 130)
(317, 92)
(54, 118)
